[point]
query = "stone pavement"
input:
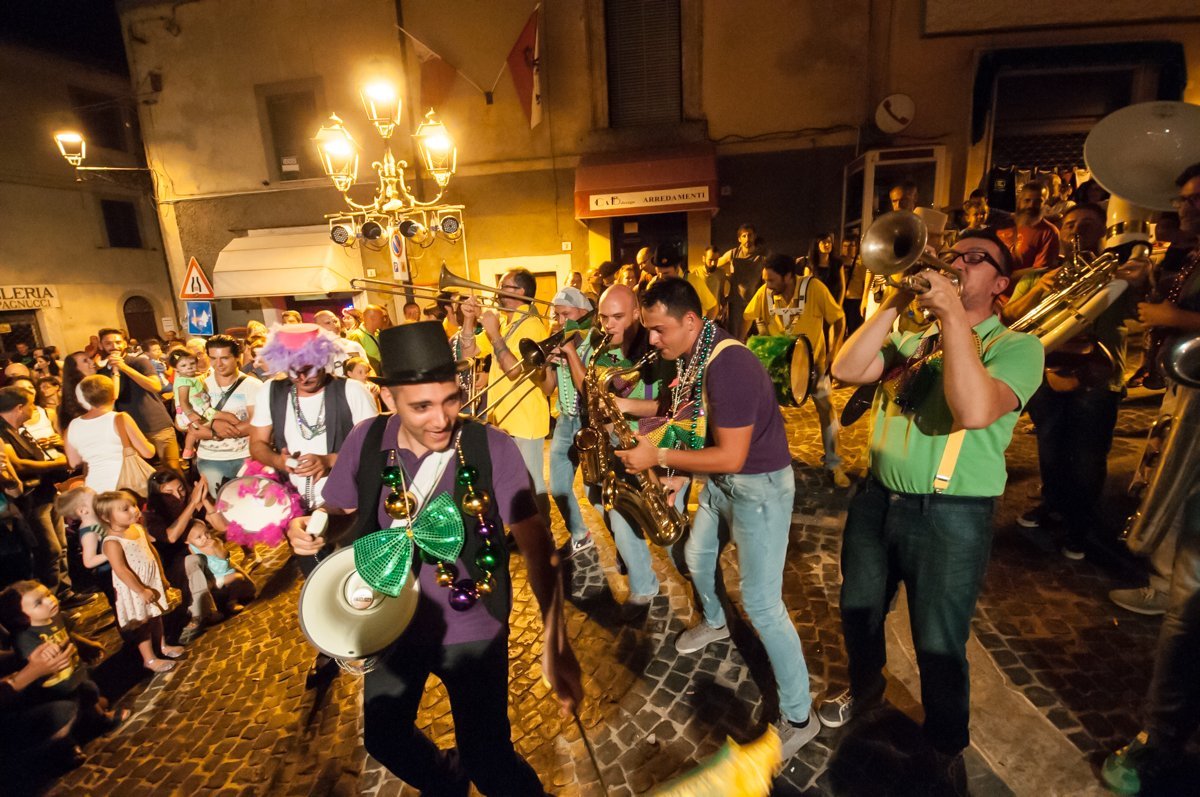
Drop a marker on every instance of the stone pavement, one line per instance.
(235, 719)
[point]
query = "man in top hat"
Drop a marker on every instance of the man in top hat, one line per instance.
(458, 483)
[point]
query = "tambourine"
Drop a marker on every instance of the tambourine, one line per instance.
(258, 509)
(347, 620)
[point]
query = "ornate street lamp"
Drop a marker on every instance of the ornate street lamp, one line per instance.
(393, 203)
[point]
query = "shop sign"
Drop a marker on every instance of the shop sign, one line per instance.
(29, 297)
(649, 199)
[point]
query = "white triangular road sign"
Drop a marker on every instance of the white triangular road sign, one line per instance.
(195, 283)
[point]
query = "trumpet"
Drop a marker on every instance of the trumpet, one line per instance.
(894, 248)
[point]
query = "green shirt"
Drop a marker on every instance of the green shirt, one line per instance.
(906, 446)
(369, 343)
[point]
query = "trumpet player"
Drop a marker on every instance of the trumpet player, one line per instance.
(743, 447)
(943, 416)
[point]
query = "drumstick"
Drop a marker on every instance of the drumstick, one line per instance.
(587, 743)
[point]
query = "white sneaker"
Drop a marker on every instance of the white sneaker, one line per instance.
(1146, 600)
(572, 547)
(698, 637)
(793, 737)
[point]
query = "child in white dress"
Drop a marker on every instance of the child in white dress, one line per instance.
(138, 580)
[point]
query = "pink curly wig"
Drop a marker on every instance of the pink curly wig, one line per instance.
(319, 354)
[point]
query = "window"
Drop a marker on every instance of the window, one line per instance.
(290, 119)
(121, 223)
(642, 39)
(101, 117)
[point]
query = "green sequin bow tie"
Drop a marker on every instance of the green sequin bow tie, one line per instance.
(383, 558)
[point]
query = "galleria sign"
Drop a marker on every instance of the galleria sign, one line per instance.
(28, 297)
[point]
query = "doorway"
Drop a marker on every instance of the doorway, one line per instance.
(631, 233)
(18, 327)
(140, 322)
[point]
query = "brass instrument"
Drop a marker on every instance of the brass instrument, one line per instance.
(647, 505)
(894, 248)
(1084, 288)
(447, 281)
(534, 354)
(1178, 463)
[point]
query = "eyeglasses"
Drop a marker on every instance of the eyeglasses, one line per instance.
(1190, 199)
(972, 257)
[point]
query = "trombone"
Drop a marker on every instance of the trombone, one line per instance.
(447, 281)
(534, 354)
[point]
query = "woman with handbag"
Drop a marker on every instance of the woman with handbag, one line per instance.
(109, 443)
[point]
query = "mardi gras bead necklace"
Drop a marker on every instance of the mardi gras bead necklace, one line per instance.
(689, 382)
(400, 504)
(308, 430)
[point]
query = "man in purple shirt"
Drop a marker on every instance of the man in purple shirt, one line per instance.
(422, 455)
(750, 486)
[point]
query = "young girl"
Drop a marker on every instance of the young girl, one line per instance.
(194, 412)
(31, 613)
(77, 504)
(137, 579)
(230, 581)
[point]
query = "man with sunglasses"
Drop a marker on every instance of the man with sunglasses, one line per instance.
(944, 415)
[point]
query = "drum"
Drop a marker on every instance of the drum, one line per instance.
(347, 620)
(258, 509)
(789, 363)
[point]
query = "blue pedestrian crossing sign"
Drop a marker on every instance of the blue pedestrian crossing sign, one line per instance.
(199, 318)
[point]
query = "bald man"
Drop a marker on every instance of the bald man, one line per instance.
(328, 321)
(618, 317)
(366, 334)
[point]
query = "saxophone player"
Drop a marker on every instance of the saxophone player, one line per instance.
(625, 342)
(729, 426)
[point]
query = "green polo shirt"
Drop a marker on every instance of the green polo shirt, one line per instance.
(906, 446)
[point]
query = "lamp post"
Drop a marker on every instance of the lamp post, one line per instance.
(393, 206)
(73, 148)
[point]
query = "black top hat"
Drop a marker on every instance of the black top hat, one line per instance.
(413, 354)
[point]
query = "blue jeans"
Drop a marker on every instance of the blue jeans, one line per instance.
(938, 546)
(217, 471)
(564, 461)
(758, 510)
(533, 451)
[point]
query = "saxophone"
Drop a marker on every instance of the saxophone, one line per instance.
(647, 505)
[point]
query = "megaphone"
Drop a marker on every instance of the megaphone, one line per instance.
(347, 620)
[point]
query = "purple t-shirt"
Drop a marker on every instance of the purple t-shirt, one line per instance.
(740, 393)
(434, 621)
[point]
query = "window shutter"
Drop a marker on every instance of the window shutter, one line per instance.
(644, 62)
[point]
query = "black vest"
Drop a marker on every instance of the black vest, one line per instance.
(369, 478)
(338, 421)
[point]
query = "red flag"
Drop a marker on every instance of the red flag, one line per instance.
(526, 70)
(437, 76)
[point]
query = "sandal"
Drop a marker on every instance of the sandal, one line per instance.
(158, 665)
(173, 651)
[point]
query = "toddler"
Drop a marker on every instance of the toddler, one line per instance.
(229, 579)
(77, 504)
(31, 613)
(138, 581)
(194, 412)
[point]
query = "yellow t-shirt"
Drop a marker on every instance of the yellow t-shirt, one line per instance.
(526, 411)
(819, 310)
(699, 281)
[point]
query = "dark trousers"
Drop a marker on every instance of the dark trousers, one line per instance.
(50, 557)
(476, 679)
(1074, 436)
(1173, 712)
(938, 546)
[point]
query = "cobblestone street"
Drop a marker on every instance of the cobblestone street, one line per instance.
(235, 718)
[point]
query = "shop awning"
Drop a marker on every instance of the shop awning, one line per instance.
(284, 264)
(667, 181)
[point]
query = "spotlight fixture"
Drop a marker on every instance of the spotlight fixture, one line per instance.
(341, 233)
(415, 231)
(451, 227)
(372, 230)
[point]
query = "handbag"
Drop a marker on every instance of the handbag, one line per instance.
(134, 470)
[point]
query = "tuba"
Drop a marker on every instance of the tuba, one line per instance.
(647, 505)
(1178, 463)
